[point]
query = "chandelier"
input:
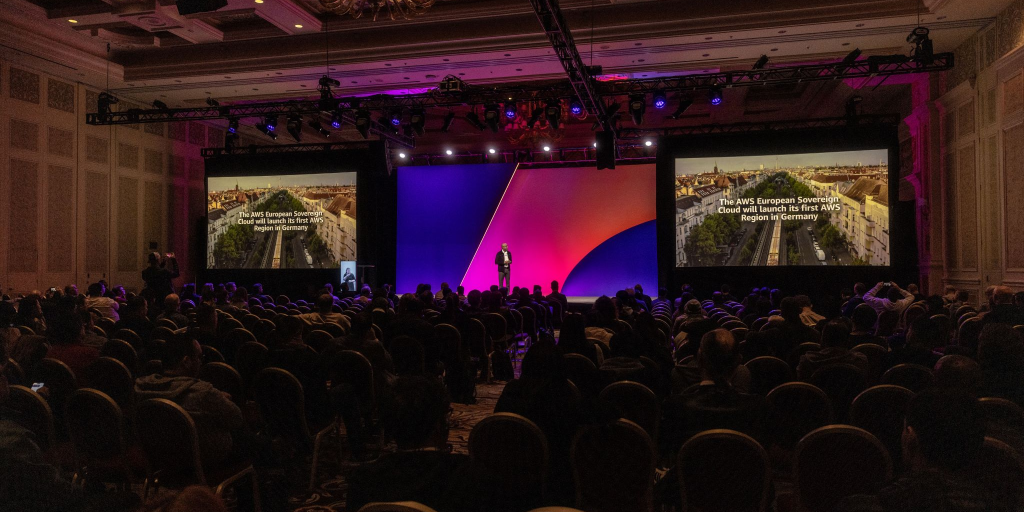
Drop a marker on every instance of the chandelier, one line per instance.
(395, 8)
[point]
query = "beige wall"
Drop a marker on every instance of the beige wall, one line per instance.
(80, 203)
(982, 159)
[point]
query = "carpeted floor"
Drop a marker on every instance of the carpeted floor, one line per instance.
(329, 494)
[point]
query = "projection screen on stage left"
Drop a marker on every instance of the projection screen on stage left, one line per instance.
(591, 230)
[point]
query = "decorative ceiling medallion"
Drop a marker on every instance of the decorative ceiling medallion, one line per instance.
(405, 9)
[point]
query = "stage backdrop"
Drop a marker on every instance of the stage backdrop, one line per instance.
(591, 230)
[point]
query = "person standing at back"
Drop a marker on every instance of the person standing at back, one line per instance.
(158, 277)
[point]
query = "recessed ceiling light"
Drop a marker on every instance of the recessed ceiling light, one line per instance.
(707, 55)
(508, 54)
(846, 44)
(782, 31)
(298, 26)
(259, 1)
(72, 21)
(774, 49)
(859, 25)
(641, 60)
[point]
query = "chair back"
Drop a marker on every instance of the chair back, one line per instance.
(636, 403)
(723, 471)
(945, 326)
(837, 461)
(225, 325)
(842, 383)
(26, 330)
(61, 382)
(250, 320)
(911, 376)
(224, 378)
(999, 471)
(14, 373)
(739, 333)
(122, 351)
(767, 373)
(282, 404)
(793, 358)
(130, 336)
(168, 323)
(395, 506)
(212, 355)
(352, 368)
(34, 414)
(876, 359)
(583, 372)
(968, 333)
(496, 326)
(107, 324)
(98, 434)
(880, 410)
(168, 438)
(335, 330)
(795, 409)
(318, 339)
(162, 332)
(113, 378)
(613, 465)
(513, 454)
(264, 331)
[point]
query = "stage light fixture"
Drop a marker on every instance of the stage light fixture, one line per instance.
(923, 49)
(233, 125)
(853, 106)
(648, 143)
(547, 148)
(761, 63)
(336, 120)
(684, 104)
(475, 120)
(535, 117)
(395, 118)
(595, 144)
(270, 122)
(363, 123)
(511, 111)
(212, 102)
(294, 127)
(448, 152)
(491, 117)
(660, 101)
(553, 113)
(449, 118)
(637, 107)
(491, 151)
(103, 103)
(401, 155)
(418, 120)
(316, 125)
(160, 105)
(576, 107)
(230, 139)
(715, 96)
(265, 128)
(851, 57)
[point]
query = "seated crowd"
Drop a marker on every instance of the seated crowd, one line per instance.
(894, 401)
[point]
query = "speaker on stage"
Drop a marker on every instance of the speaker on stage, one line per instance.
(194, 6)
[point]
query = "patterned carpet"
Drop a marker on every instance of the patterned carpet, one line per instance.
(330, 491)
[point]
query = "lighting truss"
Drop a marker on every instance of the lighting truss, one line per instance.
(473, 95)
(796, 124)
(627, 153)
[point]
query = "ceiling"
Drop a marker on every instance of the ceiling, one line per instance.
(256, 51)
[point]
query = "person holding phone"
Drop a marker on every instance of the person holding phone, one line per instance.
(158, 277)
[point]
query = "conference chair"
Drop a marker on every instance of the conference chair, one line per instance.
(911, 376)
(613, 466)
(474, 334)
(34, 415)
(739, 333)
(113, 378)
(876, 360)
(226, 325)
(793, 358)
(107, 324)
(880, 411)
(723, 471)
(14, 373)
(945, 328)
(396, 506)
(767, 373)
(584, 373)
(264, 331)
(167, 436)
(130, 336)
(61, 382)
(122, 351)
(795, 409)
(26, 330)
(512, 456)
(842, 383)
(999, 471)
(211, 354)
(968, 333)
(837, 461)
(334, 329)
(556, 509)
(162, 333)
(250, 358)
(250, 319)
(224, 378)
(98, 439)
(636, 403)
(168, 323)
(318, 339)
(282, 404)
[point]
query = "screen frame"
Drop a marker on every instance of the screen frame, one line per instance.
(903, 254)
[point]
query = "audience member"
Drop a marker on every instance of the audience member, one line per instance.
(895, 299)
(65, 336)
(171, 304)
(158, 277)
(1001, 357)
(106, 306)
(835, 337)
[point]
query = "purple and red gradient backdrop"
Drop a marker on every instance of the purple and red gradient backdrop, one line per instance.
(591, 230)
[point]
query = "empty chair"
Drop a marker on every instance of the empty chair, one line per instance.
(767, 373)
(122, 351)
(264, 331)
(113, 378)
(212, 355)
(34, 414)
(880, 410)
(318, 339)
(613, 465)
(396, 506)
(474, 336)
(250, 358)
(225, 378)
(911, 376)
(968, 332)
(795, 409)
(556, 509)
(496, 328)
(98, 438)
(837, 461)
(512, 454)
(842, 383)
(283, 405)
(723, 471)
(167, 436)
(107, 324)
(636, 403)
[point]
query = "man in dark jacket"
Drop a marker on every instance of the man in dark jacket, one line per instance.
(158, 277)
(215, 415)
(503, 259)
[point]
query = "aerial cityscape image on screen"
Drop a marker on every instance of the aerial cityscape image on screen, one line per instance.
(776, 210)
(294, 221)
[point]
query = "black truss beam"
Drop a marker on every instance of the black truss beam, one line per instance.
(794, 124)
(557, 157)
(868, 68)
(284, 148)
(583, 84)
